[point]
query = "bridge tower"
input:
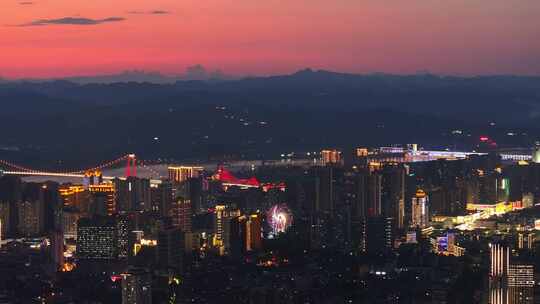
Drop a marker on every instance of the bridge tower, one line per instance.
(131, 165)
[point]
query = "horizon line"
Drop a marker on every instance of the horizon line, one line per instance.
(231, 77)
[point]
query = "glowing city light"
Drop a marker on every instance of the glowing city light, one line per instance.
(279, 218)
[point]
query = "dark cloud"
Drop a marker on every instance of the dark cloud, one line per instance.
(72, 21)
(155, 12)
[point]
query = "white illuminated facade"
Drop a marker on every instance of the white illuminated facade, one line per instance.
(330, 157)
(509, 283)
(179, 174)
(420, 210)
(499, 260)
(521, 276)
(536, 155)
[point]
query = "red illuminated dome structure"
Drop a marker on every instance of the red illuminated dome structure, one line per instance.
(228, 179)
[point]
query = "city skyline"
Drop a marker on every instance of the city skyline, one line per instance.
(155, 240)
(60, 38)
(270, 152)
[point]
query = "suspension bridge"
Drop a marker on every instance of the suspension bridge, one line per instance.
(130, 160)
(132, 164)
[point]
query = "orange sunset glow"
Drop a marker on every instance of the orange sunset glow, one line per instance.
(57, 38)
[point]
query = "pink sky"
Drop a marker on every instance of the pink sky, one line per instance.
(464, 37)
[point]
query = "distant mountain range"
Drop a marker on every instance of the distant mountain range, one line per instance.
(196, 72)
(94, 118)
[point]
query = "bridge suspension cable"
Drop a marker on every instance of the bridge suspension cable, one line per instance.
(11, 165)
(102, 166)
(153, 171)
(82, 171)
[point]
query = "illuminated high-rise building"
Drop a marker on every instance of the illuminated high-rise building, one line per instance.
(124, 226)
(76, 196)
(451, 242)
(162, 198)
(354, 183)
(52, 204)
(509, 283)
(5, 218)
(499, 260)
(219, 222)
(374, 194)
(498, 294)
(362, 152)
(492, 188)
(378, 234)
(136, 286)
(31, 210)
(236, 238)
(192, 189)
(178, 174)
(103, 200)
(368, 195)
(420, 210)
(70, 217)
(329, 157)
(97, 238)
(94, 177)
(31, 217)
(222, 227)
(133, 194)
(525, 240)
(69, 194)
(181, 214)
(521, 284)
(123, 203)
(10, 195)
(324, 190)
(246, 234)
(521, 275)
(139, 194)
(393, 193)
(254, 233)
(91, 199)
